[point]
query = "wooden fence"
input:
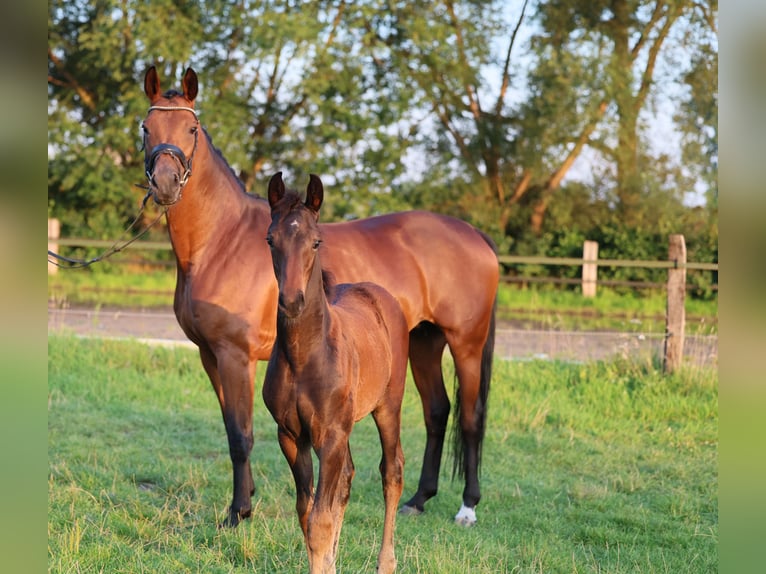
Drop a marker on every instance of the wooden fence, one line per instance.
(675, 286)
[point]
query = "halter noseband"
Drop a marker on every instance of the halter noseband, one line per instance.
(173, 151)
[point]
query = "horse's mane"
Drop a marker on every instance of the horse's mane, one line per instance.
(172, 93)
(223, 159)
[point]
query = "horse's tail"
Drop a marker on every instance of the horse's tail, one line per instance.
(487, 354)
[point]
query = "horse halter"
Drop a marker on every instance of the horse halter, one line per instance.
(173, 151)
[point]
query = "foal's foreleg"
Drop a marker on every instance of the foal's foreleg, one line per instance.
(299, 458)
(336, 471)
(387, 419)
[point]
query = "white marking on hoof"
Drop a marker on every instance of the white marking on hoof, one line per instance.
(409, 511)
(466, 516)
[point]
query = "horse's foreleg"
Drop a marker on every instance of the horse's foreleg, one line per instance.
(299, 458)
(426, 348)
(388, 421)
(232, 376)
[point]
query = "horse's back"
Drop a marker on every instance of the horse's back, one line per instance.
(428, 261)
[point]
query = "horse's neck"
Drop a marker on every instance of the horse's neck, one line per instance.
(305, 336)
(212, 203)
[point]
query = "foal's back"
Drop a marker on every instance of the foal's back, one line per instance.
(373, 330)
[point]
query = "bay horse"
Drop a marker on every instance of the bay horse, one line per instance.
(335, 360)
(443, 271)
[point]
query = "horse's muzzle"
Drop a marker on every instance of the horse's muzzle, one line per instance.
(167, 170)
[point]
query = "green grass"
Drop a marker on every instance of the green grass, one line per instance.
(538, 306)
(605, 467)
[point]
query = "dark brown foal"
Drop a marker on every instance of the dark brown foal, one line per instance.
(335, 360)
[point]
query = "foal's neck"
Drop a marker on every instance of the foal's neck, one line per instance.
(306, 335)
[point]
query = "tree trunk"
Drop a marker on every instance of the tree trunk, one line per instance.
(626, 153)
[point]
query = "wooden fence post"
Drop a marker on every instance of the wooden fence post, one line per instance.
(54, 230)
(675, 318)
(589, 270)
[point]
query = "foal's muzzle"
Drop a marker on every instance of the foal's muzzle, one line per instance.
(292, 306)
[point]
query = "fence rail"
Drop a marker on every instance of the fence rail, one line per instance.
(578, 261)
(675, 287)
(505, 260)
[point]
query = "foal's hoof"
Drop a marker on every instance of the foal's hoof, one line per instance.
(410, 511)
(233, 519)
(465, 516)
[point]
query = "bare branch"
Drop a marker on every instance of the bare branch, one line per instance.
(654, 50)
(473, 97)
(71, 81)
(555, 179)
(656, 15)
(708, 15)
(506, 75)
(521, 187)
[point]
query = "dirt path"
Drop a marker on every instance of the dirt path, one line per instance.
(159, 326)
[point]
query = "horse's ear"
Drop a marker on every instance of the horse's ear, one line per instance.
(276, 188)
(314, 193)
(152, 84)
(190, 85)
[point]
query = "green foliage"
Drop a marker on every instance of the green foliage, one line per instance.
(599, 467)
(406, 105)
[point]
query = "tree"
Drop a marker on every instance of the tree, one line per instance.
(283, 88)
(467, 107)
(592, 76)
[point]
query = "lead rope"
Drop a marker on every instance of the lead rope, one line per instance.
(71, 263)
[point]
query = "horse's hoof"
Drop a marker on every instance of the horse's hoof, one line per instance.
(466, 516)
(410, 511)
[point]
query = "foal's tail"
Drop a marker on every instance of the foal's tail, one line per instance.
(487, 354)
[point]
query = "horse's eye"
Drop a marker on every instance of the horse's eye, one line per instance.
(269, 240)
(194, 130)
(143, 127)
(317, 243)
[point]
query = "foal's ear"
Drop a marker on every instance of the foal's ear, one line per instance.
(314, 193)
(152, 84)
(190, 85)
(276, 188)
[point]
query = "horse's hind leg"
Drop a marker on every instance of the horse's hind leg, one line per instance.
(472, 412)
(388, 421)
(233, 385)
(426, 347)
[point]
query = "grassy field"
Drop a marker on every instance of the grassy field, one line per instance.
(587, 468)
